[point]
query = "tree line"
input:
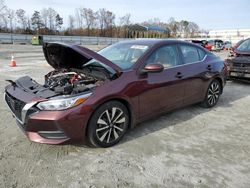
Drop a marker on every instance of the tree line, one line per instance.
(84, 22)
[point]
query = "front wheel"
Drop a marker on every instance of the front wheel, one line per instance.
(212, 95)
(108, 124)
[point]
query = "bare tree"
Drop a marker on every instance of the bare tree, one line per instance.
(89, 17)
(79, 18)
(153, 21)
(85, 21)
(44, 17)
(3, 16)
(101, 19)
(109, 19)
(51, 18)
(21, 18)
(183, 28)
(125, 20)
(124, 23)
(29, 29)
(71, 22)
(11, 17)
(7, 16)
(193, 29)
(106, 21)
(173, 26)
(109, 22)
(2, 6)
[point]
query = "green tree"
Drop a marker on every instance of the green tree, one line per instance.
(59, 21)
(36, 21)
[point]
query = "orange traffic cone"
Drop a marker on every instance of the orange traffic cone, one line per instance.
(13, 61)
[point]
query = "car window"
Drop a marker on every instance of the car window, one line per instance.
(244, 46)
(166, 55)
(211, 42)
(202, 54)
(190, 54)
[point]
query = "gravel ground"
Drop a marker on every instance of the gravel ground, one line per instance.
(190, 147)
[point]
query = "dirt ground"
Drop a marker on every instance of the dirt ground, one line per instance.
(191, 147)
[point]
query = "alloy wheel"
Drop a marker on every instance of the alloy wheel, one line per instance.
(213, 93)
(110, 125)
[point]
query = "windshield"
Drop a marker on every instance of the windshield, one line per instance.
(244, 46)
(123, 55)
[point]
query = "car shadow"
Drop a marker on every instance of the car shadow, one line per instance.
(232, 92)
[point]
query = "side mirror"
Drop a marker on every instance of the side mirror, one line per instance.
(153, 68)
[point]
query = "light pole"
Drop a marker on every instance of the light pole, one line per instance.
(11, 28)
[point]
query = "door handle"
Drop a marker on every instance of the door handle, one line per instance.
(178, 75)
(209, 67)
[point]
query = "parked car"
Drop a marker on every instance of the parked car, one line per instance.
(97, 97)
(203, 43)
(239, 65)
(198, 42)
(207, 45)
(216, 45)
(234, 47)
(227, 45)
(237, 44)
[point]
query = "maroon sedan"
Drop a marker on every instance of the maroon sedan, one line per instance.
(97, 97)
(239, 64)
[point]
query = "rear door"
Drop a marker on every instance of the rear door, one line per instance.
(197, 71)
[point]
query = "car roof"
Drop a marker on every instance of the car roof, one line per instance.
(151, 42)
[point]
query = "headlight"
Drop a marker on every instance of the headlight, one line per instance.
(62, 104)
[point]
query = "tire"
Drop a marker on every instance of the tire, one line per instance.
(108, 124)
(212, 95)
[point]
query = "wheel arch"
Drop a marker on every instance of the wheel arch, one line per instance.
(121, 100)
(219, 79)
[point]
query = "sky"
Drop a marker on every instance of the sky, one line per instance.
(211, 14)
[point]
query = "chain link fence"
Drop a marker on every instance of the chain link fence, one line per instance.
(26, 39)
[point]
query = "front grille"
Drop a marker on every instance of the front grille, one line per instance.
(15, 105)
(241, 65)
(241, 62)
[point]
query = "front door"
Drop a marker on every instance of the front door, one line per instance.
(165, 90)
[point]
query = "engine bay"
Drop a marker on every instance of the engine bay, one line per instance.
(76, 70)
(64, 82)
(71, 81)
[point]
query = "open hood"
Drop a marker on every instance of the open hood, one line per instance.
(61, 55)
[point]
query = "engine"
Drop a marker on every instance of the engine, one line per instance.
(71, 81)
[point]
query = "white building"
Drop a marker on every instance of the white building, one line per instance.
(233, 35)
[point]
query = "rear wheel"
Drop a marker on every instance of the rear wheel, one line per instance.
(213, 94)
(108, 124)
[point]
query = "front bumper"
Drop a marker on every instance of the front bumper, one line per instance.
(239, 68)
(239, 73)
(49, 127)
